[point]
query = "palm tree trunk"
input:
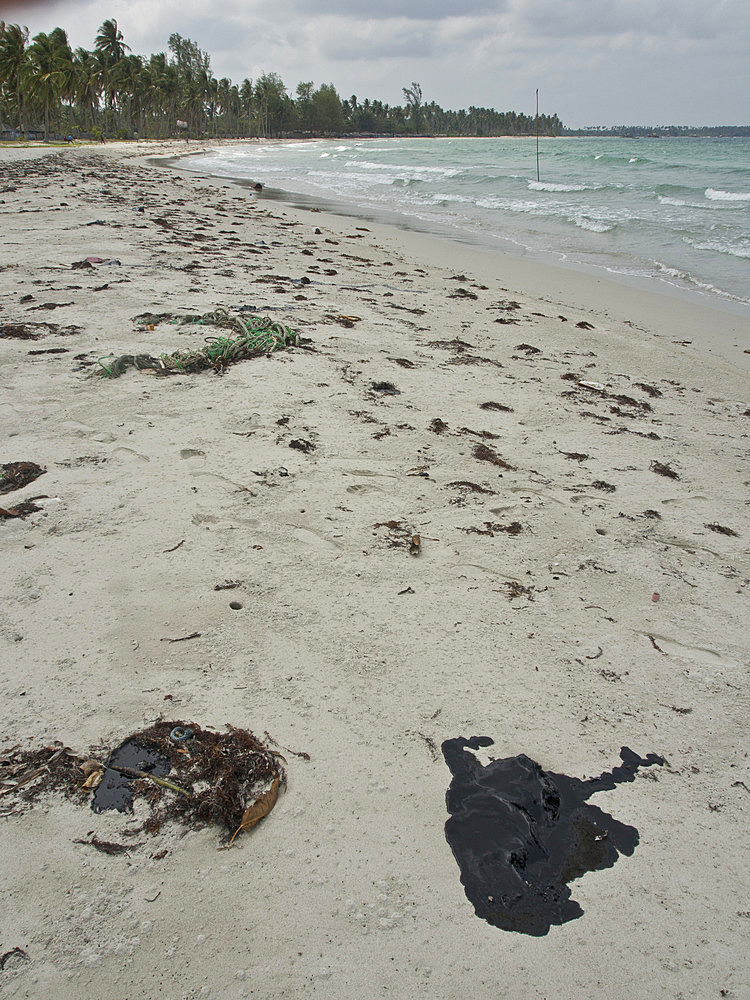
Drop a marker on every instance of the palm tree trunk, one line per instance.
(21, 108)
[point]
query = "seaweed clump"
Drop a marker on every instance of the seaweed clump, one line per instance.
(229, 779)
(16, 475)
(486, 454)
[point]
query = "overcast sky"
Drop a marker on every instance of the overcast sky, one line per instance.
(595, 62)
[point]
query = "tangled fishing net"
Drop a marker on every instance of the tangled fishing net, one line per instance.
(248, 337)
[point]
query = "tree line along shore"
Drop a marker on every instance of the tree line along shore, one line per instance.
(48, 89)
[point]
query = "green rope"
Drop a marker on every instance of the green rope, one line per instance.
(248, 336)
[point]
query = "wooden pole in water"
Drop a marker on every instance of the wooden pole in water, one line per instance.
(537, 134)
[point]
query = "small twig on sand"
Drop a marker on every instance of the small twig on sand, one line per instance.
(653, 643)
(183, 638)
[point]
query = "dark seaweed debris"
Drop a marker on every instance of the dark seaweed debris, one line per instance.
(225, 773)
(662, 469)
(722, 529)
(227, 767)
(464, 484)
(386, 388)
(16, 475)
(23, 509)
(521, 834)
(486, 454)
(496, 406)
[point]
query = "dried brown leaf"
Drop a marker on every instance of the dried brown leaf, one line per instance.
(259, 809)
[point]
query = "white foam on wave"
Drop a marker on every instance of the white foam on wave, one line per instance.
(719, 195)
(665, 199)
(592, 225)
(549, 186)
(414, 168)
(672, 275)
(721, 246)
(439, 199)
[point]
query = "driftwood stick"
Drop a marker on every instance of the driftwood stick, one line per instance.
(132, 772)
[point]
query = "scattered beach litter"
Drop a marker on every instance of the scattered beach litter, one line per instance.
(521, 834)
(251, 337)
(181, 772)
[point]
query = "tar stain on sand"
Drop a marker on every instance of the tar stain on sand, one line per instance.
(115, 790)
(521, 834)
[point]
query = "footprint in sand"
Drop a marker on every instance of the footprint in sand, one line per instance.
(465, 568)
(680, 501)
(311, 537)
(528, 492)
(364, 488)
(700, 653)
(128, 454)
(368, 473)
(84, 431)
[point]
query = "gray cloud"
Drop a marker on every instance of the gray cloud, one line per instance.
(595, 61)
(410, 10)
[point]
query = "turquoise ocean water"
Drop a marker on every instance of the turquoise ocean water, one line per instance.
(675, 212)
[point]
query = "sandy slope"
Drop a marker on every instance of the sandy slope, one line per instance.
(346, 647)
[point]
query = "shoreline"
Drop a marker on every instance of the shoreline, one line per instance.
(672, 308)
(238, 549)
(689, 291)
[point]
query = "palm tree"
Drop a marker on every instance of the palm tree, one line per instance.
(87, 85)
(49, 70)
(109, 41)
(413, 96)
(111, 47)
(2, 32)
(125, 81)
(194, 90)
(13, 57)
(169, 93)
(246, 101)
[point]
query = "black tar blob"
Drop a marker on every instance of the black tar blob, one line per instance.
(115, 790)
(521, 834)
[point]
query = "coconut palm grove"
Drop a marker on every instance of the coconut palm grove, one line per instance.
(48, 90)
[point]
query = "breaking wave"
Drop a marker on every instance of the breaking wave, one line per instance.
(715, 195)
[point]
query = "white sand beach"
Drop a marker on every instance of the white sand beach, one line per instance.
(581, 586)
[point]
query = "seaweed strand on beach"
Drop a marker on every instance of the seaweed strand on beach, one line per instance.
(251, 337)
